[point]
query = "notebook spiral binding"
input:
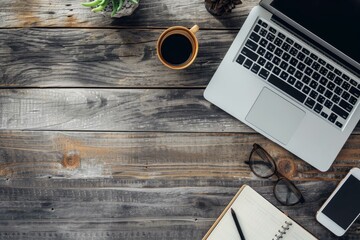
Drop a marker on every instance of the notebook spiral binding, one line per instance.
(282, 231)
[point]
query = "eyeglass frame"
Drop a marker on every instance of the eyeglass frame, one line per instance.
(275, 173)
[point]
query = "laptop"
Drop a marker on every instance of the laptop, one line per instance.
(292, 74)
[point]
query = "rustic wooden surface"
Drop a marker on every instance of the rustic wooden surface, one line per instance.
(99, 141)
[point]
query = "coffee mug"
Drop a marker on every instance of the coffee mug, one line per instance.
(178, 47)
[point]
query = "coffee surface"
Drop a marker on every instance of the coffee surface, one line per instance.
(176, 49)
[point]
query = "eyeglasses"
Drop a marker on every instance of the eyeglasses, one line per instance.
(263, 165)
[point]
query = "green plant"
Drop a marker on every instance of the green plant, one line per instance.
(100, 5)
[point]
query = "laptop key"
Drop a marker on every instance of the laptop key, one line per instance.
(276, 70)
(339, 111)
(323, 71)
(276, 60)
(345, 105)
(269, 66)
(270, 37)
(331, 86)
(292, 80)
(328, 94)
(255, 68)
(353, 82)
(324, 115)
(330, 67)
(338, 72)
(321, 89)
(264, 24)
(277, 82)
(321, 61)
(261, 61)
(248, 63)
(298, 75)
(315, 76)
(240, 59)
(284, 75)
(290, 41)
(313, 84)
(306, 79)
(293, 61)
(300, 56)
(328, 104)
(332, 118)
(282, 36)
(252, 45)
(278, 42)
(278, 52)
(301, 66)
(286, 56)
(291, 70)
(248, 53)
(304, 50)
(273, 30)
(313, 56)
(315, 66)
(263, 32)
(264, 73)
(338, 91)
(254, 37)
(271, 47)
(353, 100)
(261, 51)
(331, 76)
(320, 99)
(263, 42)
(309, 71)
(339, 124)
(285, 46)
(306, 89)
(256, 28)
(299, 85)
(345, 95)
(269, 56)
(283, 65)
(338, 81)
(310, 103)
(293, 51)
(355, 92)
(346, 77)
(318, 108)
(335, 98)
(298, 46)
(345, 85)
(313, 94)
(308, 61)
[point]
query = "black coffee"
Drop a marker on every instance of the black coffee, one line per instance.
(176, 49)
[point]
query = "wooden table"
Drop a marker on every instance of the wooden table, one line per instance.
(98, 140)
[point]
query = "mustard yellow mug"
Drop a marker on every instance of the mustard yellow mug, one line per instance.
(177, 47)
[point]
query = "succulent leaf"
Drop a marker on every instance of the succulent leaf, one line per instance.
(121, 4)
(115, 7)
(92, 3)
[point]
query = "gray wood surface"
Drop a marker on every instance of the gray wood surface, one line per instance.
(99, 141)
(151, 14)
(107, 58)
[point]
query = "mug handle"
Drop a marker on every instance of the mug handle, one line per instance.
(194, 29)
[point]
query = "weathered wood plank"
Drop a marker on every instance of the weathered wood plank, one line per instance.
(160, 156)
(106, 58)
(151, 13)
(183, 110)
(174, 212)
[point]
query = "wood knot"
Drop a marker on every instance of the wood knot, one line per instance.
(71, 160)
(287, 167)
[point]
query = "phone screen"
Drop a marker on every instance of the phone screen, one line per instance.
(344, 207)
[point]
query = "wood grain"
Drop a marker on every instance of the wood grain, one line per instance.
(179, 110)
(161, 156)
(150, 14)
(75, 211)
(106, 58)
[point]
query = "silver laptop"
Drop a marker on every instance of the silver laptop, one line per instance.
(292, 74)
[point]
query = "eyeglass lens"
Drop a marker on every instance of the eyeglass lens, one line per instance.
(264, 166)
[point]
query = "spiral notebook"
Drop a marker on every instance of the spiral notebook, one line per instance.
(258, 218)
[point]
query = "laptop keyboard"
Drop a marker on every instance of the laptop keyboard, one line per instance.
(300, 73)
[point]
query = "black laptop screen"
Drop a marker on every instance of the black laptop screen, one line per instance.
(335, 21)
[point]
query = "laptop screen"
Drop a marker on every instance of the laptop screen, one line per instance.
(334, 21)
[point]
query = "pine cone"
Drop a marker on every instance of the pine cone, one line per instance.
(219, 7)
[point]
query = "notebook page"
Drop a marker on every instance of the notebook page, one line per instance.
(258, 218)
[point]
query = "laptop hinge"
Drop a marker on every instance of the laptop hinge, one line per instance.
(316, 45)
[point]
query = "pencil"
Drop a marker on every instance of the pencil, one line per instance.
(237, 224)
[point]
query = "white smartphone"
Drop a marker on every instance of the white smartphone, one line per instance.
(342, 208)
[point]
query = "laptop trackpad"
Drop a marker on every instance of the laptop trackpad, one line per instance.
(275, 116)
